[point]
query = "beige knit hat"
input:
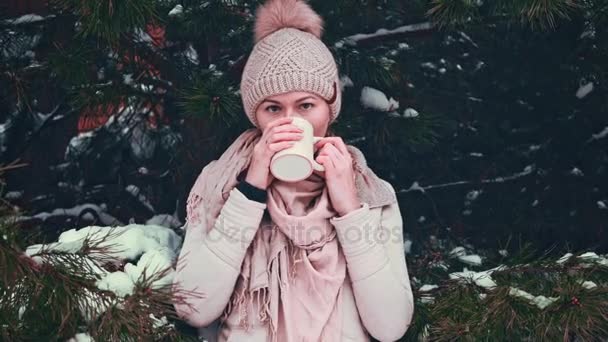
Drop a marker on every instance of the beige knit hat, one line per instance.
(289, 56)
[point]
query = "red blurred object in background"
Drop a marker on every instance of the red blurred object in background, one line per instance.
(93, 117)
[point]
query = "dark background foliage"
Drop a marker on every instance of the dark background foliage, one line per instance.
(110, 105)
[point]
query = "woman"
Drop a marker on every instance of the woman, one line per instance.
(316, 260)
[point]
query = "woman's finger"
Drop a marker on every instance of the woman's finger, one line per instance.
(337, 142)
(278, 122)
(274, 125)
(327, 164)
(278, 146)
(286, 128)
(323, 151)
(291, 136)
(333, 152)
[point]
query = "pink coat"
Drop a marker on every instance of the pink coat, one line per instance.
(377, 298)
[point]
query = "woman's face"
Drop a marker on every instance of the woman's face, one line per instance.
(296, 103)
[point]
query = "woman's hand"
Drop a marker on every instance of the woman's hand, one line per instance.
(278, 135)
(339, 174)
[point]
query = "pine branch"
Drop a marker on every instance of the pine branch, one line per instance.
(543, 299)
(539, 14)
(108, 20)
(53, 291)
(212, 97)
(449, 13)
(543, 14)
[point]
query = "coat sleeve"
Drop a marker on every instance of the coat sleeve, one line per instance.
(373, 248)
(209, 264)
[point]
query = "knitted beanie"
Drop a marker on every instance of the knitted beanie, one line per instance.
(288, 55)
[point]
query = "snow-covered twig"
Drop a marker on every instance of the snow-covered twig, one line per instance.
(382, 33)
(355, 140)
(600, 135)
(85, 209)
(26, 19)
(416, 187)
(467, 38)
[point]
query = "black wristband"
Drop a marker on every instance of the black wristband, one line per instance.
(251, 192)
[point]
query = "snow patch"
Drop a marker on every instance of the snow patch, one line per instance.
(584, 90)
(540, 301)
(410, 113)
(427, 287)
(176, 11)
(415, 187)
(345, 81)
(473, 259)
(592, 256)
(599, 135)
(564, 258)
(407, 246)
(191, 54)
(482, 279)
(13, 195)
(155, 246)
(588, 285)
(24, 19)
(81, 337)
(576, 172)
(375, 99)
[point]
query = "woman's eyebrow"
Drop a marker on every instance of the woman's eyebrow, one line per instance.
(300, 100)
(305, 98)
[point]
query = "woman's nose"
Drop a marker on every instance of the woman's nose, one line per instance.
(291, 112)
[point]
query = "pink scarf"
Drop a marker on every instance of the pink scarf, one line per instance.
(300, 240)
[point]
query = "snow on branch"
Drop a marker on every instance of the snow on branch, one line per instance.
(27, 19)
(384, 33)
(600, 135)
(416, 187)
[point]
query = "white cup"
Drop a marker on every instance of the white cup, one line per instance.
(297, 162)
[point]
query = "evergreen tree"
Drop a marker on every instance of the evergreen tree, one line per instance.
(488, 117)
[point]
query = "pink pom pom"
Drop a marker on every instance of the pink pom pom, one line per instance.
(277, 14)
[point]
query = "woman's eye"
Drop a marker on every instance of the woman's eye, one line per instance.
(275, 109)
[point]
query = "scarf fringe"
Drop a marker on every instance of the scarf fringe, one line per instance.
(242, 298)
(239, 301)
(294, 260)
(291, 252)
(239, 298)
(263, 303)
(192, 203)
